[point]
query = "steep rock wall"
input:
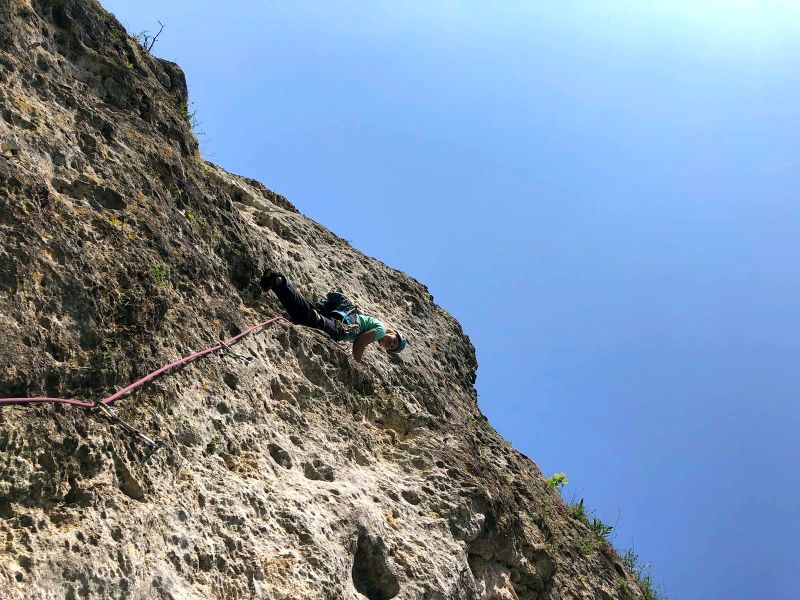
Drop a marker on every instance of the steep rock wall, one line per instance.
(289, 470)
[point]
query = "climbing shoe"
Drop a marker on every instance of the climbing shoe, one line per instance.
(271, 280)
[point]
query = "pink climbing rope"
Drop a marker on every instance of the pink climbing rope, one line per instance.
(149, 377)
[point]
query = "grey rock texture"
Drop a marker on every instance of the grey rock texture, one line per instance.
(290, 471)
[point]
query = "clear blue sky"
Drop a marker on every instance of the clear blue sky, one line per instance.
(617, 180)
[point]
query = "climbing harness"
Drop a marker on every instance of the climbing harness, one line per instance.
(104, 406)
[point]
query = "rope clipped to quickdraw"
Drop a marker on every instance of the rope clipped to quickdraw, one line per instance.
(104, 405)
(153, 444)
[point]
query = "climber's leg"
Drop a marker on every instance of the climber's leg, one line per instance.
(301, 311)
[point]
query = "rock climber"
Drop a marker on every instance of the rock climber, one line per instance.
(355, 327)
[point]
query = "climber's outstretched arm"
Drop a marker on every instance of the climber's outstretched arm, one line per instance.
(362, 341)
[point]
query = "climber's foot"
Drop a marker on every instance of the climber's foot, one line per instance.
(271, 280)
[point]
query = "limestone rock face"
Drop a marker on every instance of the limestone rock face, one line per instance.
(288, 471)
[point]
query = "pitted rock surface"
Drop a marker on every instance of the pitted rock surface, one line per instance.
(289, 470)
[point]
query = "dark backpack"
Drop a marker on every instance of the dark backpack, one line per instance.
(336, 306)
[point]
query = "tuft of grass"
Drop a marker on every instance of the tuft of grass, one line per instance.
(445, 312)
(586, 544)
(182, 104)
(643, 574)
(160, 273)
(601, 529)
(175, 193)
(188, 113)
(116, 36)
(626, 589)
(577, 510)
(124, 227)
